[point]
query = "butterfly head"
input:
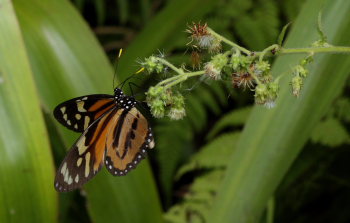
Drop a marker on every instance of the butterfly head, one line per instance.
(124, 101)
(118, 94)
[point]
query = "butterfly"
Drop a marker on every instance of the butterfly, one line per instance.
(114, 134)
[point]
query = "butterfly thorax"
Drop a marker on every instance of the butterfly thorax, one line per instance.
(122, 100)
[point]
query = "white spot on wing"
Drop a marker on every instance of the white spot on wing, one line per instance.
(63, 109)
(63, 169)
(84, 98)
(76, 126)
(65, 117)
(87, 162)
(151, 144)
(70, 180)
(78, 116)
(66, 176)
(68, 122)
(81, 145)
(80, 106)
(76, 178)
(86, 122)
(79, 161)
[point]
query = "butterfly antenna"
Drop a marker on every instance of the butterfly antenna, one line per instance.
(132, 76)
(116, 66)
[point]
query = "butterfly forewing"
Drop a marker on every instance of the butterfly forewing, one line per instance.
(86, 156)
(77, 114)
(127, 142)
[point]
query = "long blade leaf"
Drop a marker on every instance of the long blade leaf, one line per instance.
(26, 166)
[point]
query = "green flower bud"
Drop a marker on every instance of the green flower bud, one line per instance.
(177, 109)
(238, 62)
(156, 91)
(272, 94)
(176, 114)
(157, 108)
(267, 78)
(297, 83)
(262, 67)
(300, 71)
(261, 94)
(246, 61)
(151, 64)
(214, 67)
(219, 61)
(235, 62)
(178, 101)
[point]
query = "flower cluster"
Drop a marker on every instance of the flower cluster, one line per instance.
(242, 67)
(300, 72)
(164, 102)
(245, 72)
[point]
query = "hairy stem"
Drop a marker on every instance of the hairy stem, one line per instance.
(223, 39)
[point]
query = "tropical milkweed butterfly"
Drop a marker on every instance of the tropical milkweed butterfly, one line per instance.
(114, 134)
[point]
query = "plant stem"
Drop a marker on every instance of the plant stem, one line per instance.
(223, 39)
(328, 49)
(266, 50)
(171, 66)
(182, 76)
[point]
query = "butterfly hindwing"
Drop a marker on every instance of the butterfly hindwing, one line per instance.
(86, 157)
(127, 142)
(78, 113)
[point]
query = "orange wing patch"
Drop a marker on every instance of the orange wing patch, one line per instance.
(127, 144)
(86, 156)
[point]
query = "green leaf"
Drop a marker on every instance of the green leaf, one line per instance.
(213, 155)
(330, 133)
(272, 139)
(342, 108)
(282, 34)
(67, 62)
(234, 118)
(197, 201)
(26, 167)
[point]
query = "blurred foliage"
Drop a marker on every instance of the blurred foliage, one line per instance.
(191, 155)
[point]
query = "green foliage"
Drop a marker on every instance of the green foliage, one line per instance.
(234, 118)
(197, 201)
(48, 54)
(330, 132)
(26, 166)
(170, 157)
(213, 155)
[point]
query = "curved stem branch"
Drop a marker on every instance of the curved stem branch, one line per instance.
(223, 39)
